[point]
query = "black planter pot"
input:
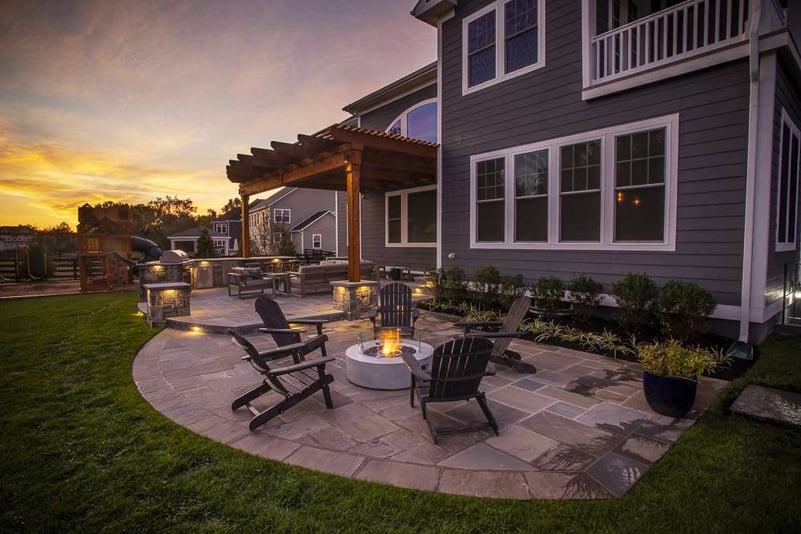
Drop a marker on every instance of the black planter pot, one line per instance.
(669, 395)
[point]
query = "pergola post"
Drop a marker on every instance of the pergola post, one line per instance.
(245, 226)
(353, 175)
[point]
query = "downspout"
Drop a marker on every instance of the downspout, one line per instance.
(751, 171)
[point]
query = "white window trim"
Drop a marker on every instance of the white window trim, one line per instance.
(317, 238)
(404, 196)
(402, 116)
(500, 49)
(793, 203)
(283, 211)
(606, 135)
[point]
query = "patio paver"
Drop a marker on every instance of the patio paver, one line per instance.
(577, 429)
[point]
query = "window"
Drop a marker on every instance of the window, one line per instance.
(317, 241)
(640, 186)
(580, 191)
(490, 200)
(417, 122)
(787, 197)
(504, 40)
(531, 196)
(608, 189)
(411, 217)
(221, 228)
(282, 215)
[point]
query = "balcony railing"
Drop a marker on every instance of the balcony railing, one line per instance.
(688, 29)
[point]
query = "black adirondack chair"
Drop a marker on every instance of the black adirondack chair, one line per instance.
(293, 382)
(454, 374)
(503, 332)
(395, 307)
(277, 325)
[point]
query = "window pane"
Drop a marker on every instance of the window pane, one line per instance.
(482, 66)
(490, 221)
(422, 217)
(656, 142)
(784, 180)
(394, 219)
(481, 32)
(639, 172)
(521, 50)
(793, 207)
(623, 144)
(531, 219)
(581, 171)
(481, 49)
(489, 179)
(639, 145)
(531, 173)
(623, 174)
(421, 122)
(520, 30)
(640, 214)
(581, 217)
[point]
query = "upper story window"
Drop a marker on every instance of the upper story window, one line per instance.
(417, 122)
(610, 189)
(787, 197)
(282, 215)
(221, 228)
(503, 40)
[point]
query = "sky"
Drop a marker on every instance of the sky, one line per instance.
(132, 100)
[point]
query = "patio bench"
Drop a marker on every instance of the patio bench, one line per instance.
(244, 281)
(317, 278)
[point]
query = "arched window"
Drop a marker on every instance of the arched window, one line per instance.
(418, 122)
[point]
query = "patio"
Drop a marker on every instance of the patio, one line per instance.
(577, 429)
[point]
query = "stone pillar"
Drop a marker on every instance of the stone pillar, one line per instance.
(354, 297)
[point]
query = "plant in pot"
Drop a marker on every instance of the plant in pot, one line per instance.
(670, 374)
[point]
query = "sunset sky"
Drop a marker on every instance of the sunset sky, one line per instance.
(133, 100)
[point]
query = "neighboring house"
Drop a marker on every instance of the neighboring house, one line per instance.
(14, 237)
(315, 232)
(225, 232)
(604, 137)
(305, 213)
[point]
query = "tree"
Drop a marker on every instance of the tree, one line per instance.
(231, 204)
(205, 246)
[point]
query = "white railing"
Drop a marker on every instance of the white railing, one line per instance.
(685, 30)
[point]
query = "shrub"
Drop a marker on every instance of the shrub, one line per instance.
(586, 296)
(683, 307)
(635, 295)
(672, 358)
(547, 293)
(487, 281)
(511, 287)
(451, 284)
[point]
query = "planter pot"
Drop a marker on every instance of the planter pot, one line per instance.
(669, 395)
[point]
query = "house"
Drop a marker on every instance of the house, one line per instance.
(309, 215)
(225, 232)
(14, 237)
(596, 137)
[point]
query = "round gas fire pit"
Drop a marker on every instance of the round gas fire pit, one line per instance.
(366, 366)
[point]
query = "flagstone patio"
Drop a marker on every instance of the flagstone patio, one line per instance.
(577, 429)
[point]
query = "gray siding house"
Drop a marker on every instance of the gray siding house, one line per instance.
(604, 137)
(310, 215)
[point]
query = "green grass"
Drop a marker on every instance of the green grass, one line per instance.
(82, 451)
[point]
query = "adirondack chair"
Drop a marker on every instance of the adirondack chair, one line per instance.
(277, 325)
(294, 382)
(395, 306)
(454, 374)
(506, 330)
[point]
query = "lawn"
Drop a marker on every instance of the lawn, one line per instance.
(82, 451)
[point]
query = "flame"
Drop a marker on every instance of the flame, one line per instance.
(390, 343)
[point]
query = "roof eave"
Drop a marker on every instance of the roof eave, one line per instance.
(431, 11)
(422, 77)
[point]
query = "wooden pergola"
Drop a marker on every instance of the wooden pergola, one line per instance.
(341, 158)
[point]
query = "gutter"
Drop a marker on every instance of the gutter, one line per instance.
(751, 172)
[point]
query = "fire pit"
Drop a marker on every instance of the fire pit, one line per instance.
(375, 362)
